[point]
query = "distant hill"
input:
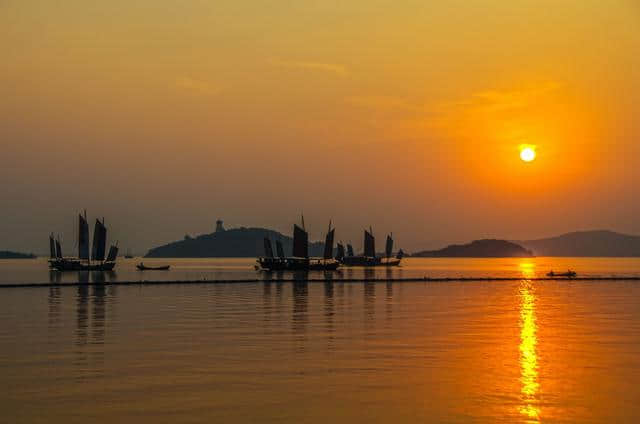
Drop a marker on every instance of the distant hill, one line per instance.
(586, 243)
(6, 254)
(487, 248)
(236, 242)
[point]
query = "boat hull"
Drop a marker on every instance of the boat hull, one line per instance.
(153, 268)
(562, 274)
(297, 264)
(369, 261)
(65, 264)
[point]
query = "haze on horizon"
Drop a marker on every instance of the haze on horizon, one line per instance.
(163, 116)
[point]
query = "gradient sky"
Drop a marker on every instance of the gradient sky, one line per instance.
(164, 115)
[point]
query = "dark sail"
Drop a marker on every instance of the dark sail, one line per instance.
(328, 245)
(389, 247)
(349, 249)
(268, 250)
(99, 242)
(52, 248)
(102, 248)
(279, 249)
(96, 240)
(340, 252)
(58, 250)
(369, 244)
(83, 238)
(113, 254)
(300, 242)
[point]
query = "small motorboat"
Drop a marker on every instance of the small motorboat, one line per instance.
(568, 274)
(142, 267)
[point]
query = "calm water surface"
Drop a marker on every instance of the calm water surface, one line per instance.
(516, 351)
(36, 271)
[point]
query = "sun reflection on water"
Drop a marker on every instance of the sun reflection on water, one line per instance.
(527, 268)
(528, 354)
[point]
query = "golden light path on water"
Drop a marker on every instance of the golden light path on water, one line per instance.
(528, 342)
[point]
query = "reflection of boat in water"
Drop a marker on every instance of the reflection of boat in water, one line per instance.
(369, 257)
(142, 267)
(300, 260)
(568, 274)
(85, 262)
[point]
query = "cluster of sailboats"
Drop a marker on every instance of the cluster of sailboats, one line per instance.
(96, 260)
(300, 260)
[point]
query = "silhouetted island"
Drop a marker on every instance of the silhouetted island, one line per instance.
(586, 243)
(488, 248)
(232, 243)
(6, 254)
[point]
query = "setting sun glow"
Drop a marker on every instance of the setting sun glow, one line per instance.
(527, 153)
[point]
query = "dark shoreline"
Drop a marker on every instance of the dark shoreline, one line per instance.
(318, 280)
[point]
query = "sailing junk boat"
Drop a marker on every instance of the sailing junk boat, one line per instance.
(369, 257)
(350, 250)
(84, 262)
(55, 250)
(299, 260)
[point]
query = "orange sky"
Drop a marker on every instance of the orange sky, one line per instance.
(164, 115)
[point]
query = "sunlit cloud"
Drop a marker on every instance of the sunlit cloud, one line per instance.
(512, 99)
(488, 107)
(333, 68)
(381, 103)
(198, 86)
(459, 117)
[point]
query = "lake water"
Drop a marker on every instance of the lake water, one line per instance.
(36, 271)
(507, 351)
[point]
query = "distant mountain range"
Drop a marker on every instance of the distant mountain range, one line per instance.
(586, 243)
(488, 248)
(236, 243)
(248, 242)
(6, 254)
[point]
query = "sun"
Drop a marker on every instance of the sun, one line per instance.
(527, 153)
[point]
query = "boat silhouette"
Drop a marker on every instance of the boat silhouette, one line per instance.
(299, 260)
(142, 267)
(96, 261)
(568, 274)
(369, 258)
